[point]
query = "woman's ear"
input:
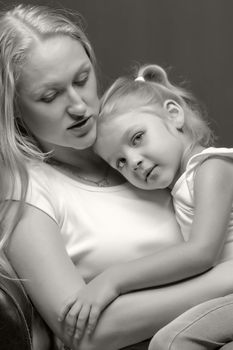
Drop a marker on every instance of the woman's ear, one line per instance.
(175, 113)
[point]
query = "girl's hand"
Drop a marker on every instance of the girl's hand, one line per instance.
(82, 312)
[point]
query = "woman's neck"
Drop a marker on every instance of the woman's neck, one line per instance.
(85, 160)
(84, 165)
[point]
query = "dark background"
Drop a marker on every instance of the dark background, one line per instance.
(190, 38)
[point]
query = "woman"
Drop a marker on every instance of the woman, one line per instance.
(67, 216)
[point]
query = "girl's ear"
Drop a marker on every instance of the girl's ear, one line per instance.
(175, 113)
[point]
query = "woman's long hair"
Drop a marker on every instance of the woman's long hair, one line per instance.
(20, 27)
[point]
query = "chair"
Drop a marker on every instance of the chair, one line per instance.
(15, 316)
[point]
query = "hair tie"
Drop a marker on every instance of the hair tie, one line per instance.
(140, 78)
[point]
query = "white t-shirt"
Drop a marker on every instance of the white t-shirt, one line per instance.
(183, 197)
(102, 226)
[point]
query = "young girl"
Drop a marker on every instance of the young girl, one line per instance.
(153, 133)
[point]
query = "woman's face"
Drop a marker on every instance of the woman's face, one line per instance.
(57, 95)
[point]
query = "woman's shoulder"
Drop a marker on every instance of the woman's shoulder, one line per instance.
(44, 174)
(40, 168)
(42, 188)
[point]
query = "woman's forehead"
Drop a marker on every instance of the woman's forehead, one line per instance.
(52, 60)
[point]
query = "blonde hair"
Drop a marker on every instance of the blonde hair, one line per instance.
(20, 27)
(151, 87)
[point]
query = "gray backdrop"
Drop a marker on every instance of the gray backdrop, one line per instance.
(191, 38)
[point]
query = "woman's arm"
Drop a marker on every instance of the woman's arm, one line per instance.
(137, 316)
(213, 195)
(37, 253)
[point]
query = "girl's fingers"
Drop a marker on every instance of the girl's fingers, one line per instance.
(82, 320)
(93, 318)
(72, 317)
(65, 310)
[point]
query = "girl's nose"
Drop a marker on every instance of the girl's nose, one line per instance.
(136, 164)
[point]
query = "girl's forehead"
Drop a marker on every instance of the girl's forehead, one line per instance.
(117, 122)
(131, 116)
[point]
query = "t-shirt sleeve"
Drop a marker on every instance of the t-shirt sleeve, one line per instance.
(41, 196)
(40, 193)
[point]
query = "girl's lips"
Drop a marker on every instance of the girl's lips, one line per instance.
(150, 172)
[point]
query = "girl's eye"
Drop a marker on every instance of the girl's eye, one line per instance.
(120, 163)
(137, 138)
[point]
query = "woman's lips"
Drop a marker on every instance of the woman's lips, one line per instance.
(82, 127)
(79, 124)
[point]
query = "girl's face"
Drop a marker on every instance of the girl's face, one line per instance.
(57, 94)
(144, 148)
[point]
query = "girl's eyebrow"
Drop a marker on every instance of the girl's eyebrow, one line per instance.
(123, 137)
(127, 133)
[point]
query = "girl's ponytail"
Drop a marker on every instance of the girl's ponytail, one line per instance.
(150, 86)
(156, 74)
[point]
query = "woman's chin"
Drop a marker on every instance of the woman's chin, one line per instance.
(87, 140)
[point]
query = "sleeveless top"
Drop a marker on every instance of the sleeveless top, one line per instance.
(183, 197)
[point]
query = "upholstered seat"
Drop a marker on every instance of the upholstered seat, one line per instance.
(15, 316)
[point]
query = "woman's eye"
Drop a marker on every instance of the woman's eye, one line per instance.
(49, 98)
(81, 81)
(120, 163)
(136, 139)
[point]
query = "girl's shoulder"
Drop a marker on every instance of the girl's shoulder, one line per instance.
(188, 177)
(208, 153)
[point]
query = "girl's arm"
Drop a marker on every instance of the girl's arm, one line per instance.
(213, 193)
(137, 316)
(131, 318)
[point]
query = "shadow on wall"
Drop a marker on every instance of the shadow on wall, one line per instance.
(192, 39)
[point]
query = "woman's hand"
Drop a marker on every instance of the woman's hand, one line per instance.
(83, 310)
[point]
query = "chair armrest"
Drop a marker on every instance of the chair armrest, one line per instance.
(15, 316)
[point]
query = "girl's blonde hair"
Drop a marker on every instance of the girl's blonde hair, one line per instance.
(20, 27)
(151, 87)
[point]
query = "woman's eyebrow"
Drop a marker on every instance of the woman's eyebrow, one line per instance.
(51, 84)
(47, 86)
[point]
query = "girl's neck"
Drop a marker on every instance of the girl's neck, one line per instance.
(189, 152)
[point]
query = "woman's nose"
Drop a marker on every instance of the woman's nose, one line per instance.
(77, 107)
